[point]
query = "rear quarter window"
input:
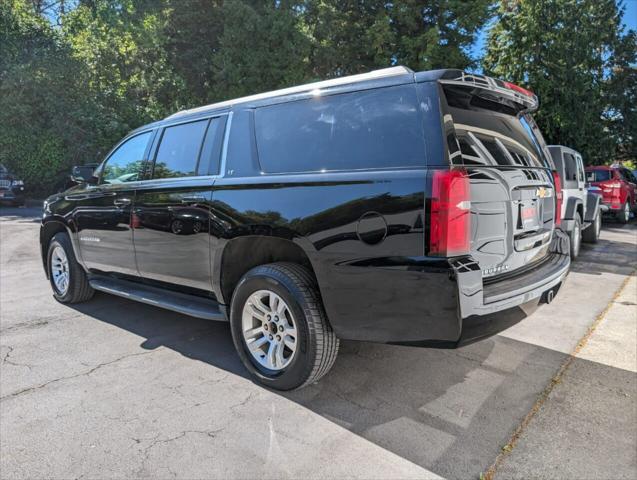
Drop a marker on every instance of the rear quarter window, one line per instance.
(370, 129)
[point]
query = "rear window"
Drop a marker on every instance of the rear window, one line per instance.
(598, 175)
(378, 128)
(490, 137)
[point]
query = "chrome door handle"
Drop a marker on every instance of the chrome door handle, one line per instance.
(122, 201)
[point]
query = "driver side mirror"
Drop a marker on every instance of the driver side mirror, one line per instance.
(84, 174)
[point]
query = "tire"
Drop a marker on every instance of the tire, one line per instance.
(77, 287)
(301, 309)
(576, 237)
(623, 216)
(591, 234)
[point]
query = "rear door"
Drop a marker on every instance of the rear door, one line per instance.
(512, 194)
(172, 209)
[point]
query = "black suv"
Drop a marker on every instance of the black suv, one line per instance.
(397, 207)
(11, 188)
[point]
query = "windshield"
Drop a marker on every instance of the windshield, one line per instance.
(598, 175)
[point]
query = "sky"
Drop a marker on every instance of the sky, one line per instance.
(630, 22)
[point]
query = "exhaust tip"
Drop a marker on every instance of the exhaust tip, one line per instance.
(549, 296)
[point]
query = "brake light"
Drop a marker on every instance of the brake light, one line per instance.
(450, 225)
(519, 89)
(558, 198)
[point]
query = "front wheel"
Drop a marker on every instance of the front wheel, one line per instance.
(279, 326)
(576, 237)
(68, 278)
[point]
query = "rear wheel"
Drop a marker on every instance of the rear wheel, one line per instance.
(576, 237)
(591, 234)
(624, 214)
(68, 278)
(279, 327)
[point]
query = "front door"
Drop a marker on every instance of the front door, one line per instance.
(172, 210)
(103, 212)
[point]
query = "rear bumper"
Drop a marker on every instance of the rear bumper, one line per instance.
(611, 207)
(442, 303)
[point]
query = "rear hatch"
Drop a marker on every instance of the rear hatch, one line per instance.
(493, 138)
(604, 179)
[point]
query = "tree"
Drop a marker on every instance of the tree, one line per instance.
(351, 36)
(46, 119)
(566, 52)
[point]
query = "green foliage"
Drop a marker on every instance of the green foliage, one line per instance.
(73, 83)
(48, 120)
(573, 55)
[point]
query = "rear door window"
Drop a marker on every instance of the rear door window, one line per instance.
(369, 129)
(179, 149)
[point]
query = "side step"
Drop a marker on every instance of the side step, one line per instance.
(177, 302)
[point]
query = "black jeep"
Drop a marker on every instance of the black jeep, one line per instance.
(397, 207)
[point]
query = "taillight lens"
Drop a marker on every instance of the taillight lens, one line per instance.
(450, 226)
(558, 198)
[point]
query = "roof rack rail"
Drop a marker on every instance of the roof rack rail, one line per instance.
(385, 72)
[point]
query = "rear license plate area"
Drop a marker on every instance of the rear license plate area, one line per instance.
(528, 216)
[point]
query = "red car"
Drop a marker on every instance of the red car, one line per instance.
(618, 187)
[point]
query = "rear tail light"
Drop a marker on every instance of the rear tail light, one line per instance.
(558, 198)
(450, 227)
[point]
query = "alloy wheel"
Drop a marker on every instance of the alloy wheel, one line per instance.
(60, 270)
(269, 330)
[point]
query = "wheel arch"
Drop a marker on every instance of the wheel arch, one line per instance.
(241, 254)
(50, 227)
(574, 206)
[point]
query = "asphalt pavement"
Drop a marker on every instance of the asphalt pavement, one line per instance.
(117, 389)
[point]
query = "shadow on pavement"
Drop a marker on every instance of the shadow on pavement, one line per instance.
(20, 214)
(449, 411)
(446, 410)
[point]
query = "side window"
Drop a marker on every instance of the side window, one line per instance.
(179, 148)
(378, 128)
(580, 169)
(570, 167)
(627, 175)
(126, 164)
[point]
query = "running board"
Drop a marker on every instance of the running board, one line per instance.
(177, 302)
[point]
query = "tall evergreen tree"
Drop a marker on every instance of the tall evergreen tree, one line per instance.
(351, 36)
(566, 52)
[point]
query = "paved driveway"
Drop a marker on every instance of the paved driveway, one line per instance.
(116, 389)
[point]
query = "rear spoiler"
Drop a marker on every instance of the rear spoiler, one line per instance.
(486, 87)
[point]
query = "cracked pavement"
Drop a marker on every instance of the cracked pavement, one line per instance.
(116, 389)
